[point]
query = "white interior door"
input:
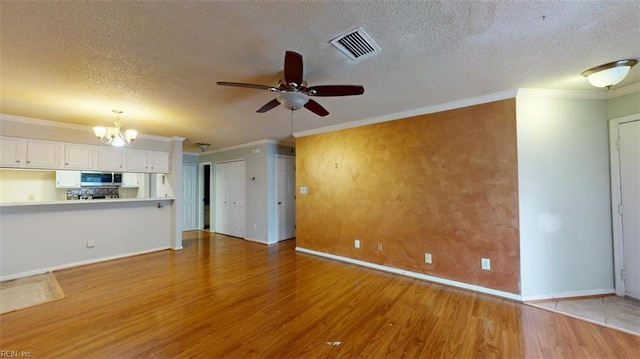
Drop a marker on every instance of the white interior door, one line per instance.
(230, 198)
(222, 199)
(237, 189)
(189, 197)
(629, 142)
(285, 197)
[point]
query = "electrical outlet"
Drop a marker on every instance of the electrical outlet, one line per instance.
(356, 243)
(91, 243)
(380, 246)
(427, 258)
(486, 263)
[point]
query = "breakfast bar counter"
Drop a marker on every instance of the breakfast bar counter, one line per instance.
(37, 237)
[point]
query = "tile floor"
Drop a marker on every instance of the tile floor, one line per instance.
(612, 311)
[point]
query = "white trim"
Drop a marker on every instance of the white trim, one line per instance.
(616, 200)
(81, 263)
(407, 273)
(73, 126)
(416, 112)
(255, 241)
(255, 143)
(624, 90)
(562, 295)
(574, 94)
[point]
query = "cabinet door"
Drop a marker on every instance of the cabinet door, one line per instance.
(68, 179)
(137, 161)
(130, 180)
(12, 152)
(111, 159)
(42, 154)
(158, 162)
(78, 156)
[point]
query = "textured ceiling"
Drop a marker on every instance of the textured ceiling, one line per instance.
(159, 61)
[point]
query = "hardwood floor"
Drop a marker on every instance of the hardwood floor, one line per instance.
(224, 297)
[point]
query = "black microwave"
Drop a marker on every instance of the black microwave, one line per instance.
(100, 179)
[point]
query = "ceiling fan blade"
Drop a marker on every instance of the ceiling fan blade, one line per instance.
(335, 90)
(293, 69)
(251, 86)
(268, 106)
(316, 108)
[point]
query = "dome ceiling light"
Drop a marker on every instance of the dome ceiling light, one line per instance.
(609, 74)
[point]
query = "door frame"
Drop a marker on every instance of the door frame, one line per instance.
(616, 200)
(201, 166)
(275, 202)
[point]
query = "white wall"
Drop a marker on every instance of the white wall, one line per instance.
(564, 195)
(36, 238)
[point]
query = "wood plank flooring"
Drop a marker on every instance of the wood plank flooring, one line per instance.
(223, 297)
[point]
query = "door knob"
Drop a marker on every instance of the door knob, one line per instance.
(279, 203)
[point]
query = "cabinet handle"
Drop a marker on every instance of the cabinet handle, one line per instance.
(28, 161)
(17, 161)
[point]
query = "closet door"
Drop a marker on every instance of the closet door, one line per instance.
(222, 199)
(230, 198)
(237, 189)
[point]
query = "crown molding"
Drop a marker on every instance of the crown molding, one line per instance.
(71, 126)
(624, 90)
(244, 145)
(498, 96)
(574, 94)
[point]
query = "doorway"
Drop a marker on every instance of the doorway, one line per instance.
(204, 208)
(625, 201)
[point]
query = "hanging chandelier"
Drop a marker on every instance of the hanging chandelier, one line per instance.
(113, 135)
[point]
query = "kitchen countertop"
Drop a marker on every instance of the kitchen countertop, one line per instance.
(83, 202)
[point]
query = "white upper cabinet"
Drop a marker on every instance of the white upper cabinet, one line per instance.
(111, 159)
(78, 157)
(68, 179)
(158, 162)
(27, 153)
(12, 152)
(42, 154)
(131, 180)
(147, 161)
(137, 161)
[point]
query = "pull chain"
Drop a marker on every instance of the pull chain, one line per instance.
(291, 131)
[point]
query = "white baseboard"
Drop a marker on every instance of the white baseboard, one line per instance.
(255, 241)
(416, 275)
(574, 294)
(77, 264)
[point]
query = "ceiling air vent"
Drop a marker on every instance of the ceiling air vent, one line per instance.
(356, 44)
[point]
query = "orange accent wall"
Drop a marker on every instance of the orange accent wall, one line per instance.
(443, 183)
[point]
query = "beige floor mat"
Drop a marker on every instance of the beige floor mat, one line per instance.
(26, 292)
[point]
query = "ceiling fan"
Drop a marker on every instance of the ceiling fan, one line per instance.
(293, 92)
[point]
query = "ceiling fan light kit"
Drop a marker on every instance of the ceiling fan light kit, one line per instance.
(609, 74)
(293, 100)
(293, 92)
